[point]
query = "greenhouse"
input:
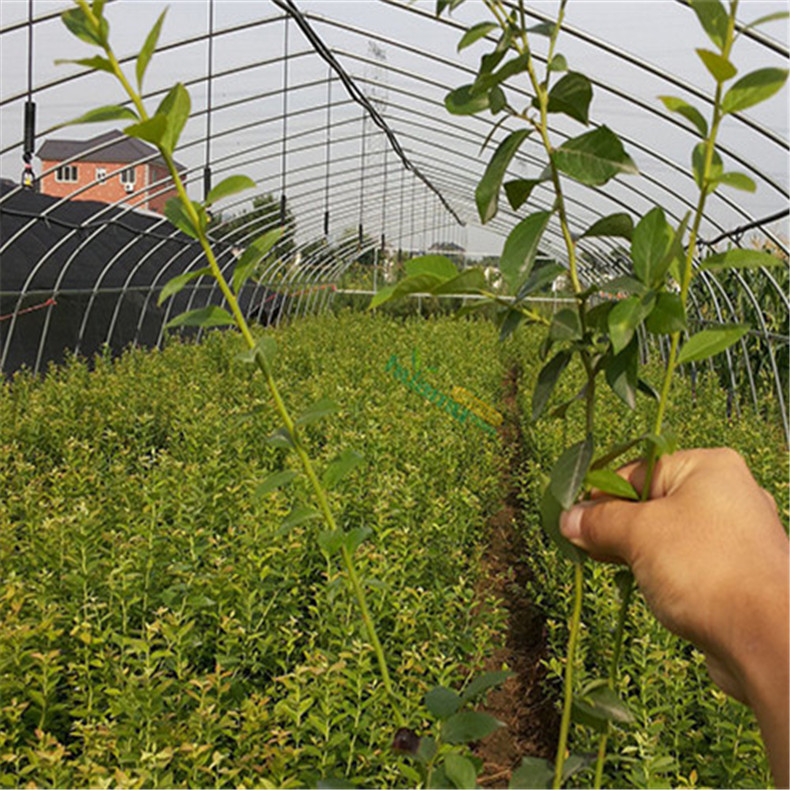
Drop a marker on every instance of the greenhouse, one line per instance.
(372, 372)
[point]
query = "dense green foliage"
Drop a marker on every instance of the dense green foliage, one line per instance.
(159, 627)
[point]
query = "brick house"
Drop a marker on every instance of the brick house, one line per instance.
(121, 169)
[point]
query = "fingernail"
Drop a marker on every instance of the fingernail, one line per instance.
(571, 520)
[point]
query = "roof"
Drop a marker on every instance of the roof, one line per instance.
(114, 147)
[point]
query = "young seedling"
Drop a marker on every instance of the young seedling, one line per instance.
(163, 129)
(602, 338)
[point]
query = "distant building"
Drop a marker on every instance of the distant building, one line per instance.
(113, 172)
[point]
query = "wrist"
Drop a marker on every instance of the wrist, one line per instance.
(759, 651)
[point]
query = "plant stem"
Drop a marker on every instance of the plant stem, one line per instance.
(565, 722)
(686, 277)
(613, 667)
(280, 407)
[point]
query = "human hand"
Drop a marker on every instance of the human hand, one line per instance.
(711, 557)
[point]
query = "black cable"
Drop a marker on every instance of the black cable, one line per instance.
(736, 233)
(358, 96)
(28, 179)
(209, 85)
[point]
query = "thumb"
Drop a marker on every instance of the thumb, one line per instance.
(602, 527)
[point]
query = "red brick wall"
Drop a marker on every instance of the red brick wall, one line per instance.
(111, 190)
(157, 201)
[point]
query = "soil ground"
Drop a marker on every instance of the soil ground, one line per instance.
(521, 702)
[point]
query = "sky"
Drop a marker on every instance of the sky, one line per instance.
(398, 54)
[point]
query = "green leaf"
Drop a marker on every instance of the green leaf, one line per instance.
(719, 67)
(542, 29)
(468, 281)
(622, 373)
(299, 515)
(176, 213)
(534, 773)
(277, 480)
(615, 225)
(486, 80)
(462, 101)
(436, 265)
(442, 702)
(469, 726)
(690, 113)
(439, 779)
(519, 190)
(319, 409)
(341, 466)
(152, 130)
(421, 283)
(550, 511)
(204, 316)
(427, 749)
(487, 192)
(610, 483)
(112, 112)
(594, 158)
(649, 247)
(354, 538)
(713, 19)
(547, 381)
(737, 181)
(80, 25)
(175, 107)
(568, 473)
(740, 259)
(460, 771)
(768, 18)
(668, 316)
(558, 63)
(615, 452)
(508, 321)
(520, 249)
(752, 89)
(572, 96)
(144, 58)
(485, 682)
(330, 542)
(252, 256)
(626, 316)
(565, 325)
(475, 33)
(698, 165)
(539, 279)
(623, 284)
(676, 256)
(646, 388)
(281, 439)
(97, 63)
(710, 342)
(177, 283)
(266, 345)
(229, 186)
(602, 702)
(450, 5)
(497, 101)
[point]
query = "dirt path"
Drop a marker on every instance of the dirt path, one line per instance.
(529, 714)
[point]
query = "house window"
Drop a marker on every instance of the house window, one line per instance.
(127, 175)
(101, 174)
(66, 173)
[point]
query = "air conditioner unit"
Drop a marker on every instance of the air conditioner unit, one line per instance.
(128, 187)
